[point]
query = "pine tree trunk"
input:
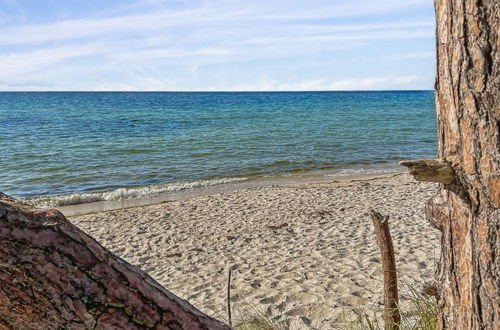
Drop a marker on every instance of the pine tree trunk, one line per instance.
(468, 210)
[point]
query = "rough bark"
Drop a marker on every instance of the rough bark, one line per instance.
(468, 113)
(54, 276)
(392, 318)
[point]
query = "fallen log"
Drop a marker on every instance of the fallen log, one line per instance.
(54, 276)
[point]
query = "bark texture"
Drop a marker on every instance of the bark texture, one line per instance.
(54, 276)
(468, 210)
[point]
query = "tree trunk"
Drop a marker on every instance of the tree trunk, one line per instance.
(468, 210)
(54, 276)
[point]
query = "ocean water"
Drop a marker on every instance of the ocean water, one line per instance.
(88, 146)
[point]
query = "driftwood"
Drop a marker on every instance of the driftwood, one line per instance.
(392, 318)
(430, 170)
(54, 276)
(229, 317)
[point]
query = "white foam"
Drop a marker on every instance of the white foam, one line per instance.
(346, 172)
(123, 193)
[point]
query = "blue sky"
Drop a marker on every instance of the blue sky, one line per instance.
(216, 45)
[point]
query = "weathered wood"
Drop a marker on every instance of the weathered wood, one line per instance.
(392, 317)
(54, 276)
(468, 211)
(430, 170)
(229, 317)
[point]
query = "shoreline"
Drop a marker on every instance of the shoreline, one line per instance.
(246, 183)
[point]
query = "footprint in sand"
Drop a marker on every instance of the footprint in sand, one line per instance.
(271, 300)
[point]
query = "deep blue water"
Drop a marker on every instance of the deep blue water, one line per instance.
(55, 143)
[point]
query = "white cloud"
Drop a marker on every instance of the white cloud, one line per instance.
(145, 84)
(229, 39)
(300, 32)
(206, 14)
(140, 81)
(395, 82)
(84, 28)
(267, 83)
(167, 52)
(326, 38)
(410, 56)
(18, 63)
(25, 85)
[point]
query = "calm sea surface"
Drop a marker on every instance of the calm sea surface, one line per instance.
(98, 146)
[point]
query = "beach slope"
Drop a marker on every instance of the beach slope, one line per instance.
(303, 253)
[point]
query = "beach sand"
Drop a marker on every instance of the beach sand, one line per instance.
(302, 253)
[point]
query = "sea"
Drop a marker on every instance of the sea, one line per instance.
(61, 148)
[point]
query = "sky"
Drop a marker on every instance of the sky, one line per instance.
(216, 45)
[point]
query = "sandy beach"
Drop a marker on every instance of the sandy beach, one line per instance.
(302, 253)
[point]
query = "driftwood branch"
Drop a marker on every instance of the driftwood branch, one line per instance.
(430, 170)
(54, 276)
(229, 298)
(392, 318)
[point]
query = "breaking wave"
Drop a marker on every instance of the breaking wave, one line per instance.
(123, 193)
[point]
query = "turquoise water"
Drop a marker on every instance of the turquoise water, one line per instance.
(128, 144)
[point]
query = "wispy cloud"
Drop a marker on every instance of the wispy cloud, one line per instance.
(410, 56)
(394, 82)
(267, 83)
(212, 13)
(201, 41)
(25, 84)
(171, 52)
(82, 28)
(29, 61)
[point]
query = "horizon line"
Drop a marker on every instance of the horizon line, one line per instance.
(219, 91)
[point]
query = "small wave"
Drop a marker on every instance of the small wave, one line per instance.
(123, 193)
(356, 171)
